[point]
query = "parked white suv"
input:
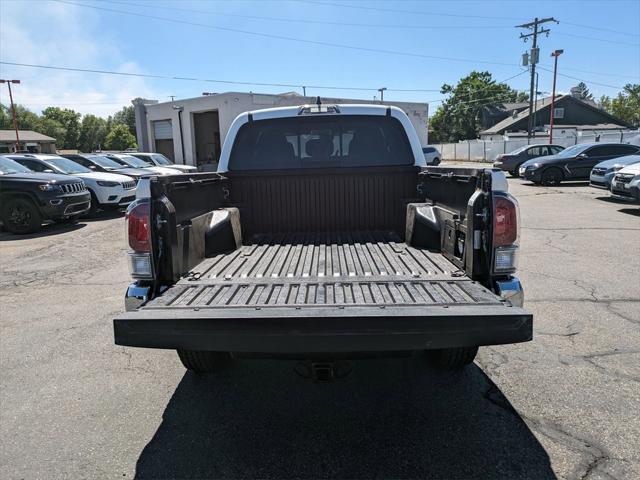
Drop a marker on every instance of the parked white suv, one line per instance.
(160, 160)
(432, 155)
(108, 190)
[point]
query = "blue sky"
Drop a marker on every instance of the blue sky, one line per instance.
(407, 36)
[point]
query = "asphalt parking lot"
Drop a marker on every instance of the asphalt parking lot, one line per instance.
(74, 405)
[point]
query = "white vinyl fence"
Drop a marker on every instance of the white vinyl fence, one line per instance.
(488, 150)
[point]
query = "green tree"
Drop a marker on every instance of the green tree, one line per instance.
(459, 116)
(52, 128)
(605, 103)
(583, 91)
(626, 106)
(93, 132)
(27, 120)
(70, 120)
(120, 138)
(127, 117)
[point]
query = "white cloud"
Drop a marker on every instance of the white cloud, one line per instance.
(50, 33)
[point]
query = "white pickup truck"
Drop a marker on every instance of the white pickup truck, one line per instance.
(323, 236)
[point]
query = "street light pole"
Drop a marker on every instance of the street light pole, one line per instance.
(555, 55)
(381, 90)
(13, 111)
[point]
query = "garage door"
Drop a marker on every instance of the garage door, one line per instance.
(162, 130)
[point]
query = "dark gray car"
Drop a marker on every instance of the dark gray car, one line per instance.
(510, 162)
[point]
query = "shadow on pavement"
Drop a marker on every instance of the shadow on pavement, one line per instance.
(567, 183)
(104, 215)
(631, 211)
(389, 418)
(46, 231)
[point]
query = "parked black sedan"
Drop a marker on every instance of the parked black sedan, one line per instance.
(510, 162)
(573, 163)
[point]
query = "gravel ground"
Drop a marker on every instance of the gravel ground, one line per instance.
(74, 405)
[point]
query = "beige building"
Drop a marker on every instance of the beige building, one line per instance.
(192, 130)
(31, 141)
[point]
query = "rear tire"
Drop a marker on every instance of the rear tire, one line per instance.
(21, 216)
(551, 177)
(201, 362)
(436, 162)
(514, 173)
(452, 358)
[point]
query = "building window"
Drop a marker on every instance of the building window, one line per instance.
(558, 113)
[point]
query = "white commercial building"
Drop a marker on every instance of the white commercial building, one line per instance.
(191, 131)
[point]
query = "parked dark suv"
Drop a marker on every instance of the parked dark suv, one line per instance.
(28, 198)
(510, 162)
(573, 163)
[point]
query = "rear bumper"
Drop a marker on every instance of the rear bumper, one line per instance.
(317, 330)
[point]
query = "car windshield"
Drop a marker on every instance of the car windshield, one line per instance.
(161, 159)
(8, 166)
(133, 161)
(105, 162)
(573, 151)
(65, 165)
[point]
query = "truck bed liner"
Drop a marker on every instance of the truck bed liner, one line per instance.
(365, 268)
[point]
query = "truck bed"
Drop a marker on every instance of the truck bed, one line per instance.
(365, 287)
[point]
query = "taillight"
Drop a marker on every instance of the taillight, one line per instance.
(505, 233)
(505, 221)
(138, 233)
(138, 223)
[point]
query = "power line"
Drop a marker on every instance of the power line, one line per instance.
(611, 30)
(310, 21)
(593, 72)
(190, 79)
(582, 80)
(292, 39)
(487, 87)
(412, 12)
(489, 99)
(458, 15)
(598, 39)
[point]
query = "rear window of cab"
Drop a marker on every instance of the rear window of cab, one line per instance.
(321, 142)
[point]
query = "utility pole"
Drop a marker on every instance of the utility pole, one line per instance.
(535, 54)
(381, 90)
(13, 111)
(555, 55)
(304, 91)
